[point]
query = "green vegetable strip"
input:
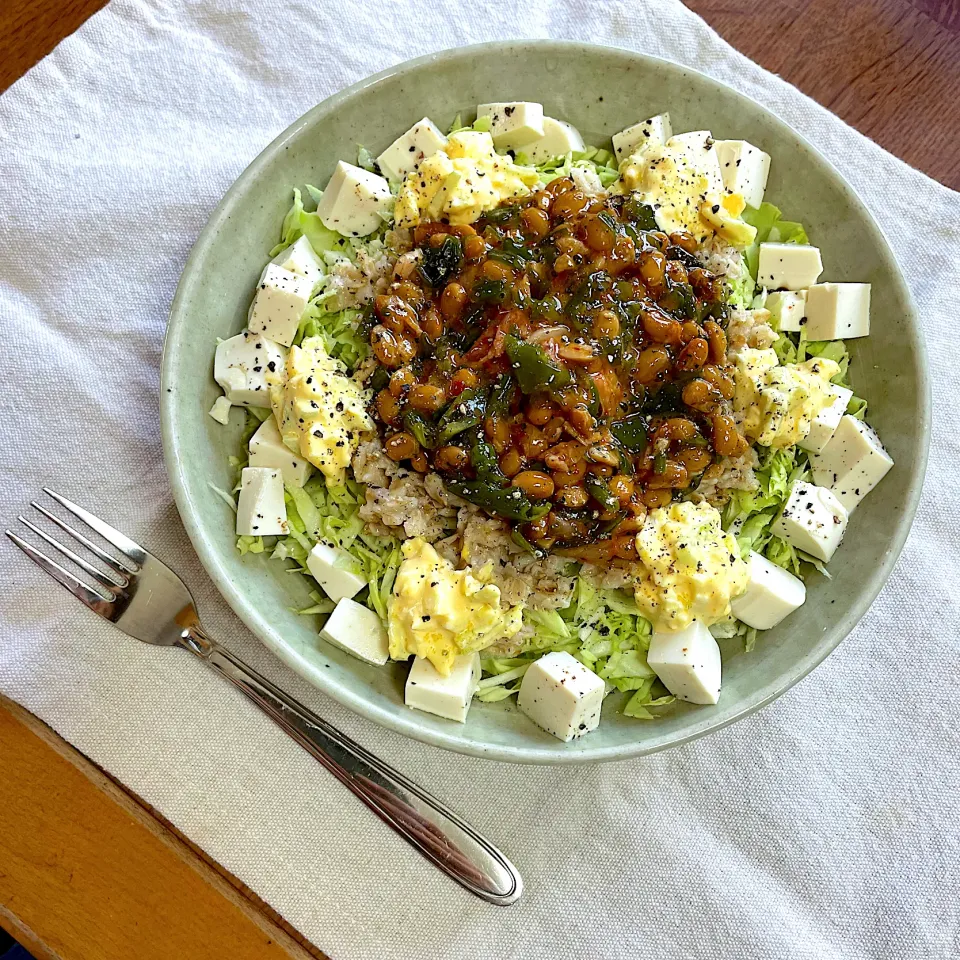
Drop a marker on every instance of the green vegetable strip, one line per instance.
(532, 367)
(631, 432)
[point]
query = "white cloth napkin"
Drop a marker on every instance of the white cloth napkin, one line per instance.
(824, 826)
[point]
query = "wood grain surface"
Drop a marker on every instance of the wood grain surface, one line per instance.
(90, 872)
(890, 68)
(30, 29)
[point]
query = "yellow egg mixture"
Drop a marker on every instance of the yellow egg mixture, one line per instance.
(321, 412)
(691, 568)
(686, 191)
(460, 182)
(777, 403)
(438, 612)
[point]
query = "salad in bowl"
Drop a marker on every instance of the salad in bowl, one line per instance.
(546, 419)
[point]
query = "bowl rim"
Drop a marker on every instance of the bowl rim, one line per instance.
(549, 753)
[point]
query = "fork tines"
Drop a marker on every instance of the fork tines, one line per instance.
(108, 585)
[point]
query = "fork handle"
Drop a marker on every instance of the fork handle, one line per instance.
(429, 826)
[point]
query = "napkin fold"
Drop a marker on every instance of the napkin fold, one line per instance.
(823, 826)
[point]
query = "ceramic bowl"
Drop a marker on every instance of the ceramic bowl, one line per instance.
(600, 90)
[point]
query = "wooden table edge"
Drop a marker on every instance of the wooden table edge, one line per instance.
(28, 747)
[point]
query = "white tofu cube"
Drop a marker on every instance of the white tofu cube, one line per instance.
(267, 449)
(852, 463)
(838, 311)
(687, 662)
(655, 130)
(789, 266)
(355, 202)
(220, 411)
(403, 156)
(825, 423)
(449, 697)
(513, 125)
(279, 303)
(241, 365)
(788, 309)
(744, 168)
(771, 594)
(261, 511)
(301, 259)
(559, 694)
(559, 138)
(813, 520)
(335, 570)
(357, 630)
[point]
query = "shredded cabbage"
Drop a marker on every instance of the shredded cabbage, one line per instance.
(323, 317)
(604, 630)
(366, 159)
(749, 515)
(770, 229)
(742, 291)
(318, 513)
(247, 545)
(601, 161)
(315, 513)
(321, 604)
(480, 125)
(338, 330)
(299, 222)
(790, 350)
(224, 496)
(502, 677)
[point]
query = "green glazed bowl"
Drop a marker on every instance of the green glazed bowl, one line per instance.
(600, 90)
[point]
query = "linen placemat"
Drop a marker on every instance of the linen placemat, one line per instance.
(824, 826)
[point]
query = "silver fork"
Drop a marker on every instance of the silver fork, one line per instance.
(149, 602)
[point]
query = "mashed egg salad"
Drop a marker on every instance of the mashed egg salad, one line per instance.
(542, 418)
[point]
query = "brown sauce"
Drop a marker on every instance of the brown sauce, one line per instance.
(562, 363)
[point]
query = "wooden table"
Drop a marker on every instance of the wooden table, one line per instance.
(88, 871)
(890, 68)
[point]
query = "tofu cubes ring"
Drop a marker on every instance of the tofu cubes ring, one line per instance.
(404, 155)
(336, 572)
(281, 298)
(648, 132)
(813, 520)
(838, 311)
(242, 364)
(772, 594)
(852, 463)
(744, 168)
(687, 662)
(357, 630)
(449, 697)
(261, 510)
(355, 203)
(267, 449)
(559, 694)
(788, 266)
(513, 125)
